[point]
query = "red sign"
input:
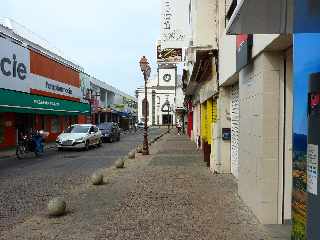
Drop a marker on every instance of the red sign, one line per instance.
(241, 39)
(314, 100)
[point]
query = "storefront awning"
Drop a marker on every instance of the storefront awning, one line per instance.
(262, 17)
(12, 101)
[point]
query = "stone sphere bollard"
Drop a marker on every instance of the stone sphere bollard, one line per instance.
(120, 163)
(97, 179)
(57, 207)
(132, 155)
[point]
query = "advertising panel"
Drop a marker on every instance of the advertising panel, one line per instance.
(307, 16)
(26, 71)
(84, 87)
(306, 126)
(170, 55)
(174, 25)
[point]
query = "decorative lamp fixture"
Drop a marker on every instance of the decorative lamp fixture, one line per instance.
(144, 64)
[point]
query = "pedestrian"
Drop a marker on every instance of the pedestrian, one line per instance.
(198, 141)
(179, 128)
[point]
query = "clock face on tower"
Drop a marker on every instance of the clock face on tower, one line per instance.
(166, 77)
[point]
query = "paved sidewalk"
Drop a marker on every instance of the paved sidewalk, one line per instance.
(168, 195)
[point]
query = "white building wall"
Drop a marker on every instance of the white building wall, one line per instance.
(204, 23)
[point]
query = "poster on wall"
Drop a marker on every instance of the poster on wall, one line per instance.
(175, 23)
(305, 210)
(84, 86)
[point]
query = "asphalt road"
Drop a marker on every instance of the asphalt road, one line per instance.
(27, 185)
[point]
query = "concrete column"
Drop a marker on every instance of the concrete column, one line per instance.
(220, 149)
(259, 91)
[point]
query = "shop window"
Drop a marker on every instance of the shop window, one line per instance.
(55, 125)
(74, 120)
(2, 128)
(46, 124)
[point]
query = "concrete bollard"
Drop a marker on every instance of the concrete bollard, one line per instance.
(56, 207)
(132, 155)
(119, 163)
(97, 179)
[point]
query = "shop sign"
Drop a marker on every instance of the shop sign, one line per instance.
(171, 55)
(244, 50)
(14, 66)
(175, 26)
(13, 101)
(17, 74)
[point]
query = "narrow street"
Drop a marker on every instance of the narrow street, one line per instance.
(26, 185)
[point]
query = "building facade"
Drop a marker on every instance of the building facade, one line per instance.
(42, 89)
(39, 89)
(165, 98)
(239, 97)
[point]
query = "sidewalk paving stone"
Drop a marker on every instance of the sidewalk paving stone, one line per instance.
(167, 195)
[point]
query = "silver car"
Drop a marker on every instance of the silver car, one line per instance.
(80, 136)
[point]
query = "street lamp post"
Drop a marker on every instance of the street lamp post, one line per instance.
(146, 70)
(90, 96)
(168, 117)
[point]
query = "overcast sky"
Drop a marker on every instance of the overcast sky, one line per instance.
(105, 37)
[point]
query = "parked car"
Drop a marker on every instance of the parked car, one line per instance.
(140, 125)
(79, 136)
(110, 131)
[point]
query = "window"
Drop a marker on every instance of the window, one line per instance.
(46, 124)
(55, 125)
(2, 128)
(77, 129)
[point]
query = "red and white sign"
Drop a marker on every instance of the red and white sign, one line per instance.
(24, 70)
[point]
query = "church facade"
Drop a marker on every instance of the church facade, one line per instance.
(164, 95)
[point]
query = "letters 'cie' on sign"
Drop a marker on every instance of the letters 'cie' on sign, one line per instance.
(25, 70)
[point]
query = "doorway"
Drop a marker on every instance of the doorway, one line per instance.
(24, 122)
(166, 119)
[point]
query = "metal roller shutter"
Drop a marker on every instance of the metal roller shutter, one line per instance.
(235, 129)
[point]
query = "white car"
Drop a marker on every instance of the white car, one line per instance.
(140, 125)
(80, 136)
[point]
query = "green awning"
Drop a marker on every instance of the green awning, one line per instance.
(12, 101)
